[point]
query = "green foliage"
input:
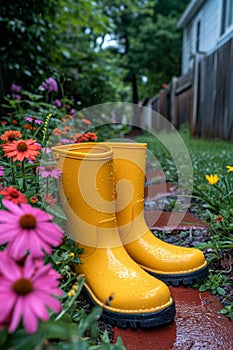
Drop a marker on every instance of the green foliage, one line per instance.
(29, 40)
(42, 38)
(73, 327)
(148, 42)
(228, 311)
(214, 283)
(68, 336)
(211, 202)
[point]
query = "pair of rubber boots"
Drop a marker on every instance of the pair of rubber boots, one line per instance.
(125, 265)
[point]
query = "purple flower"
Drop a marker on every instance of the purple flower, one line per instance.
(49, 84)
(46, 171)
(58, 103)
(33, 120)
(15, 88)
(72, 111)
(1, 170)
(46, 150)
(29, 291)
(16, 97)
(66, 141)
(15, 91)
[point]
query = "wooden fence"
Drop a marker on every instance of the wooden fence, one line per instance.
(214, 117)
(203, 97)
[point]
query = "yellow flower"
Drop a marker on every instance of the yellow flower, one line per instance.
(72, 255)
(229, 168)
(71, 293)
(212, 179)
(75, 287)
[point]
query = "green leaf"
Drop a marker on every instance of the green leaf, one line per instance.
(203, 288)
(223, 312)
(56, 211)
(59, 329)
(221, 291)
(21, 340)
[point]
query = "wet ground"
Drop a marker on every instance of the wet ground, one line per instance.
(198, 325)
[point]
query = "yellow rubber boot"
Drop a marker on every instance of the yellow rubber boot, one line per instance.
(87, 193)
(170, 263)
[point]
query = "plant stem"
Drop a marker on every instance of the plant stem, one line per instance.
(24, 179)
(13, 173)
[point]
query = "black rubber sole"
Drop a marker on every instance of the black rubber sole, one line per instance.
(146, 320)
(185, 279)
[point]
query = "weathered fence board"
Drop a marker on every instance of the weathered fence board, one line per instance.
(214, 117)
(203, 97)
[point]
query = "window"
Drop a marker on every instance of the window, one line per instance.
(198, 33)
(227, 15)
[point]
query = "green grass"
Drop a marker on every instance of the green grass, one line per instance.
(211, 202)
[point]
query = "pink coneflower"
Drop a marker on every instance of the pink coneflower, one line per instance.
(25, 229)
(33, 120)
(10, 136)
(49, 199)
(21, 149)
(29, 292)
(12, 194)
(46, 171)
(2, 170)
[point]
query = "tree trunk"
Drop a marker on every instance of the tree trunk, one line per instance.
(135, 89)
(136, 114)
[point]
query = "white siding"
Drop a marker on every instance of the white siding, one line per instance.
(210, 21)
(187, 60)
(211, 24)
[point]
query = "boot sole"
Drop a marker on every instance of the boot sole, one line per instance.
(143, 320)
(183, 278)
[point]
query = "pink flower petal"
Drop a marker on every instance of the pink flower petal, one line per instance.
(18, 247)
(12, 207)
(8, 217)
(50, 237)
(6, 233)
(30, 321)
(16, 314)
(34, 245)
(37, 307)
(10, 269)
(49, 301)
(6, 307)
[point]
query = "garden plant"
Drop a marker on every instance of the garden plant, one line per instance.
(42, 288)
(37, 274)
(212, 201)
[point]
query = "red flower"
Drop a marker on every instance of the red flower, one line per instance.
(33, 200)
(219, 217)
(10, 136)
(89, 136)
(21, 149)
(29, 127)
(12, 194)
(86, 121)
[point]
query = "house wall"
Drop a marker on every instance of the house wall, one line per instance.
(209, 17)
